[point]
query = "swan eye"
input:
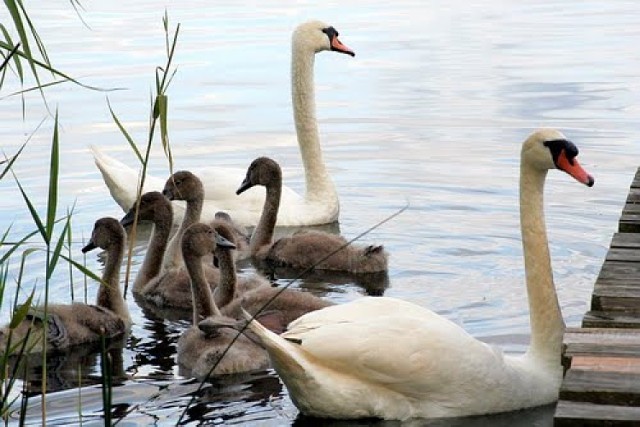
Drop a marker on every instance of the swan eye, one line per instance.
(330, 32)
(557, 146)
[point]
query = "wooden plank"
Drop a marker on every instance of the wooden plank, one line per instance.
(610, 319)
(619, 364)
(623, 255)
(601, 335)
(634, 195)
(626, 240)
(584, 414)
(616, 270)
(602, 387)
(616, 298)
(636, 180)
(629, 223)
(631, 206)
(617, 282)
(600, 343)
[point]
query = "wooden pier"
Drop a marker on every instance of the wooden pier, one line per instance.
(601, 386)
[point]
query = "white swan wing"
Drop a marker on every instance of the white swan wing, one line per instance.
(220, 185)
(394, 344)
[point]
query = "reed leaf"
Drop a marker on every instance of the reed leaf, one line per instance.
(8, 57)
(34, 33)
(56, 252)
(84, 270)
(58, 73)
(124, 132)
(15, 246)
(12, 7)
(32, 210)
(11, 161)
(106, 368)
(21, 312)
(4, 275)
(52, 203)
(23, 259)
(16, 58)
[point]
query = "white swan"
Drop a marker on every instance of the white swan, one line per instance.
(387, 358)
(319, 205)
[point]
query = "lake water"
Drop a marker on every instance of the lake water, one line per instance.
(430, 112)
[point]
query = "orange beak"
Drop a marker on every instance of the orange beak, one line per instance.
(574, 169)
(337, 45)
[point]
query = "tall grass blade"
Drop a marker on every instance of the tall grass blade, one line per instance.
(16, 58)
(58, 249)
(9, 56)
(34, 33)
(12, 7)
(12, 160)
(125, 133)
(84, 270)
(52, 203)
(32, 210)
(21, 313)
(58, 73)
(106, 368)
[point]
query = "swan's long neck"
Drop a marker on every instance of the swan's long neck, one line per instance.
(225, 292)
(547, 325)
(263, 233)
(318, 182)
(109, 294)
(173, 255)
(155, 252)
(202, 300)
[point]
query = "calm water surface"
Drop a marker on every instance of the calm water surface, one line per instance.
(430, 112)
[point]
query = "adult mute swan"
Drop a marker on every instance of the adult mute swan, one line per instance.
(387, 358)
(319, 205)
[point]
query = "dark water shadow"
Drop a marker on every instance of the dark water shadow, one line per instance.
(541, 416)
(70, 368)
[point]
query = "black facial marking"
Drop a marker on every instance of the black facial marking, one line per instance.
(330, 32)
(556, 146)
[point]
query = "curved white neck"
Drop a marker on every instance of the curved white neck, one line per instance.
(318, 182)
(547, 325)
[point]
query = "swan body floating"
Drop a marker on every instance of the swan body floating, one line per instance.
(319, 204)
(387, 358)
(304, 249)
(198, 352)
(70, 325)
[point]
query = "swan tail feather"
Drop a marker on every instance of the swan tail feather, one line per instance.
(118, 177)
(285, 355)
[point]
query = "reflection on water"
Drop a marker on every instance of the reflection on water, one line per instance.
(70, 368)
(430, 112)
